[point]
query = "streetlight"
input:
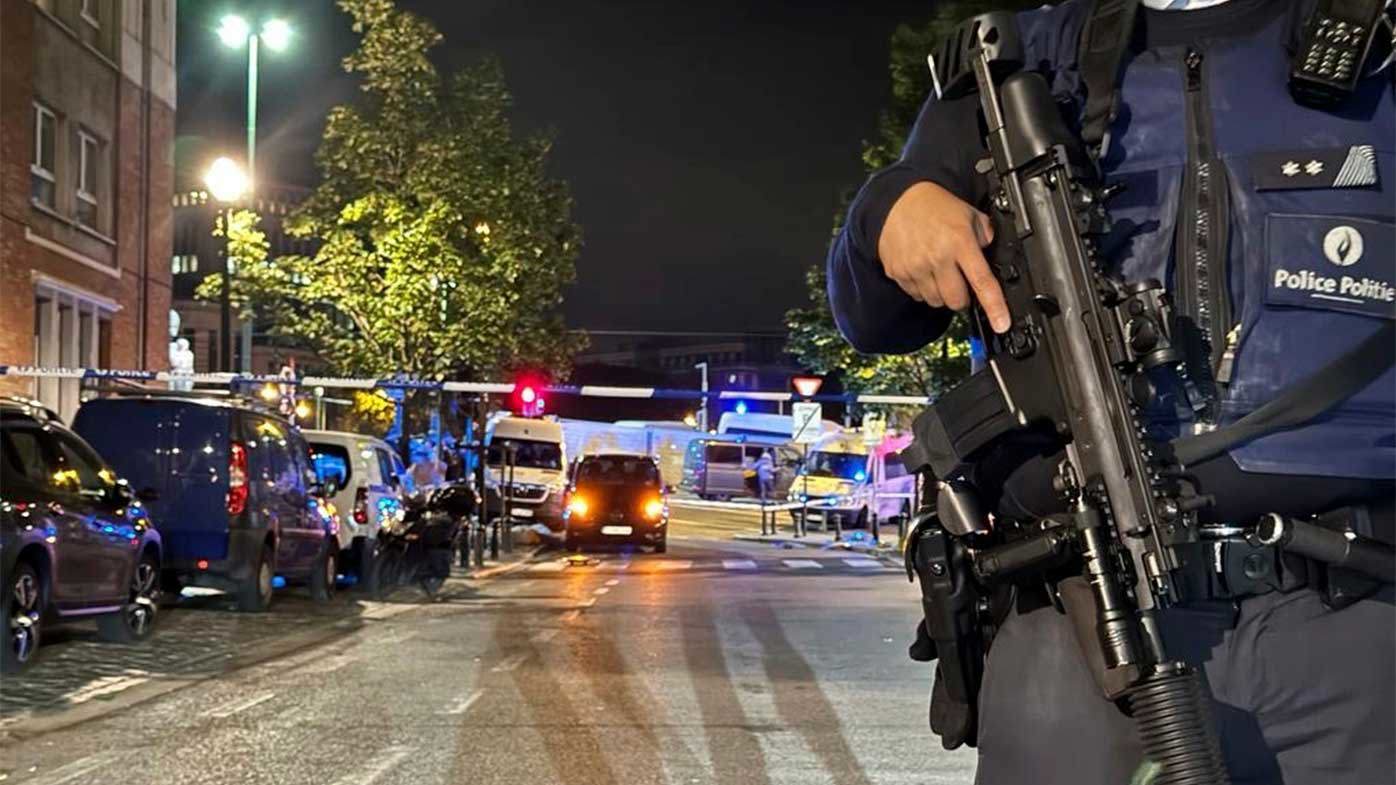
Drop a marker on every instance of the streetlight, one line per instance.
(235, 31)
(227, 183)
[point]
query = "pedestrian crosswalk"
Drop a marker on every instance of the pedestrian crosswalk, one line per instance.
(645, 563)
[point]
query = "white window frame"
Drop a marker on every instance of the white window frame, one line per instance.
(87, 191)
(36, 165)
(89, 13)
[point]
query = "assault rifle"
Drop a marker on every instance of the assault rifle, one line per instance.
(1076, 369)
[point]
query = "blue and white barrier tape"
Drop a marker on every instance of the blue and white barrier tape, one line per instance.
(477, 388)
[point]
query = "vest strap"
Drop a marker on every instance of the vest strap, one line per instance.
(1102, 48)
(1316, 394)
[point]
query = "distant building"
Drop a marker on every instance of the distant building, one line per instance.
(738, 361)
(87, 113)
(198, 254)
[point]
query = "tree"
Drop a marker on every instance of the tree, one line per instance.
(444, 246)
(247, 248)
(814, 338)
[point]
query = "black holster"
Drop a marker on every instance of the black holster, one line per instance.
(950, 632)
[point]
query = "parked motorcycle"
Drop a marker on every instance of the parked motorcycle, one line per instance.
(420, 547)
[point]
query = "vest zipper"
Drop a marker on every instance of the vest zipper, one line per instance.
(1203, 222)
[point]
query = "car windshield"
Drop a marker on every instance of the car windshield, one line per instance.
(527, 453)
(844, 465)
(618, 470)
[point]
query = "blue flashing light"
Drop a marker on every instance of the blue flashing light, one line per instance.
(278, 582)
(860, 476)
(740, 407)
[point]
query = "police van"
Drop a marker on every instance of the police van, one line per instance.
(537, 450)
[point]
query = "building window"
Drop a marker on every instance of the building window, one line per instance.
(89, 13)
(89, 153)
(70, 331)
(41, 179)
(184, 263)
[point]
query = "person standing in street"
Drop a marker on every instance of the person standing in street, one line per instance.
(765, 475)
(1245, 221)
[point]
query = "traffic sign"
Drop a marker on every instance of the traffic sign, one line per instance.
(874, 429)
(809, 418)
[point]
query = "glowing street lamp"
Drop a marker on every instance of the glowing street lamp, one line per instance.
(226, 181)
(235, 31)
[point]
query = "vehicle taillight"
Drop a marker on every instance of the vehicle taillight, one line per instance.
(361, 506)
(237, 479)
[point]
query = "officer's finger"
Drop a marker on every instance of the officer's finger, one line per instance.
(929, 287)
(983, 229)
(986, 287)
(953, 290)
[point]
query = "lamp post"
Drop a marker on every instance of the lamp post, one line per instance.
(227, 183)
(235, 32)
(703, 411)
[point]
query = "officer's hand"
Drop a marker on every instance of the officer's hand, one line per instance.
(931, 245)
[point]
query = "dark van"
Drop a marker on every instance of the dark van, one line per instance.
(233, 493)
(717, 468)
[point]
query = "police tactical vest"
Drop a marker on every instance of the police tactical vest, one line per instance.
(1273, 225)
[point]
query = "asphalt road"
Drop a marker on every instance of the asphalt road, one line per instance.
(719, 662)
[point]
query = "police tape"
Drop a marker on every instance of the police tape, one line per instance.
(753, 505)
(235, 380)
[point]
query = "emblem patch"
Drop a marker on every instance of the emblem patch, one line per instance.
(1343, 246)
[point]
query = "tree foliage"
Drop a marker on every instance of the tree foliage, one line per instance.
(247, 247)
(814, 338)
(443, 246)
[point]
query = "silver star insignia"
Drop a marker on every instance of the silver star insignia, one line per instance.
(1313, 167)
(1289, 169)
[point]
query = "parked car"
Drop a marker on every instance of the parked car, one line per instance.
(718, 468)
(75, 543)
(366, 475)
(846, 478)
(232, 490)
(616, 498)
(539, 476)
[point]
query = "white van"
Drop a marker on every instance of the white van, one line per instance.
(844, 477)
(368, 476)
(540, 467)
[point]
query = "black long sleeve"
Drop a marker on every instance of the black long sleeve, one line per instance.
(872, 312)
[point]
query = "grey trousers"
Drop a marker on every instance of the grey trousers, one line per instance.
(1302, 696)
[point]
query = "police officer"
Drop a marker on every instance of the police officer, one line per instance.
(1272, 223)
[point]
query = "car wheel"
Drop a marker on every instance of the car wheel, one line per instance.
(137, 620)
(323, 578)
(24, 608)
(254, 595)
(662, 546)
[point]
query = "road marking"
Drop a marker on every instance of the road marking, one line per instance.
(863, 564)
(571, 616)
(616, 566)
(229, 709)
(738, 564)
(548, 566)
(463, 704)
(387, 759)
(678, 564)
(543, 636)
(71, 771)
(802, 564)
(106, 685)
(613, 582)
(601, 590)
(512, 663)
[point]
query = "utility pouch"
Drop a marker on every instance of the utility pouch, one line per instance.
(950, 631)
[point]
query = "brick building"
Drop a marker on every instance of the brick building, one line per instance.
(87, 112)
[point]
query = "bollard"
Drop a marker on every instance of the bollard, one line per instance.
(508, 518)
(838, 523)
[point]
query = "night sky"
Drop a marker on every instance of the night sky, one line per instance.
(706, 143)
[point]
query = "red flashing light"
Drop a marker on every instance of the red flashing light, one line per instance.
(202, 564)
(528, 395)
